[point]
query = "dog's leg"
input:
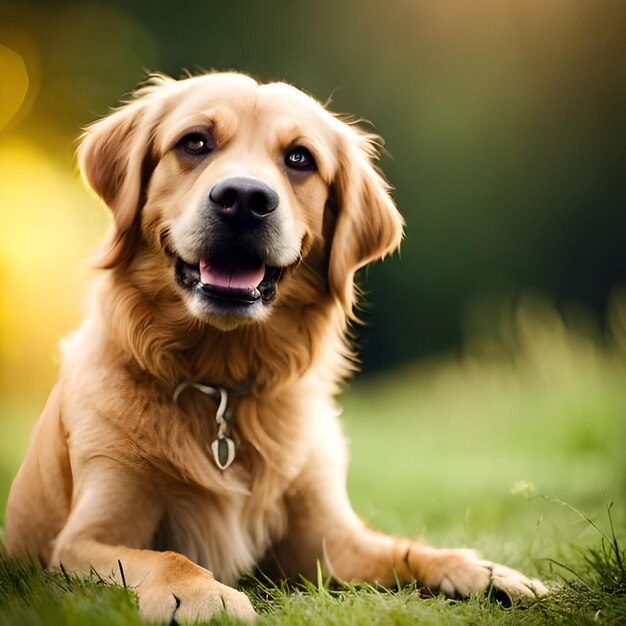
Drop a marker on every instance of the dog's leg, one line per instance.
(113, 518)
(453, 572)
(324, 528)
(39, 499)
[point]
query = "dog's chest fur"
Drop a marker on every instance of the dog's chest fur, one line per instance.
(224, 520)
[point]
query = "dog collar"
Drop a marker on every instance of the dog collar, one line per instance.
(223, 446)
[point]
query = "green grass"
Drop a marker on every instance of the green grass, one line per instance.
(594, 593)
(499, 449)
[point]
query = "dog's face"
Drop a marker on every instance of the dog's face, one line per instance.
(224, 186)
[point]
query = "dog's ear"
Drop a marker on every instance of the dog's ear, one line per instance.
(368, 226)
(115, 158)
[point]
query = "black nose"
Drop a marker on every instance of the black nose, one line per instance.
(244, 202)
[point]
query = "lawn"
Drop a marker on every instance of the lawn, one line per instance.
(515, 447)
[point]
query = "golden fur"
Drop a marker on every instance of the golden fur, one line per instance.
(116, 471)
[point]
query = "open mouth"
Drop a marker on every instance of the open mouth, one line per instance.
(231, 277)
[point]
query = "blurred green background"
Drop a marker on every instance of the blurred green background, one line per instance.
(505, 130)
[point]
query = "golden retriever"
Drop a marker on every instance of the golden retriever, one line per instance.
(193, 428)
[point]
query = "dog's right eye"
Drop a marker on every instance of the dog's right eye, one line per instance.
(195, 144)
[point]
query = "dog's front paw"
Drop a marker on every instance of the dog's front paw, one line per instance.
(196, 600)
(514, 583)
(189, 594)
(459, 573)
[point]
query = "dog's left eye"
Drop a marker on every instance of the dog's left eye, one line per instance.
(195, 144)
(300, 159)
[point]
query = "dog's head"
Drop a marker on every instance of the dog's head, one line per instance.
(220, 187)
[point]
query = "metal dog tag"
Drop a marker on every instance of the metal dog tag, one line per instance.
(223, 449)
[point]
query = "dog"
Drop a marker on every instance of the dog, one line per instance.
(193, 430)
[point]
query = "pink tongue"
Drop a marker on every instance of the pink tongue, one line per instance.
(234, 278)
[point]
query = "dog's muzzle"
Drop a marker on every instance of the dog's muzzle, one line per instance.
(235, 272)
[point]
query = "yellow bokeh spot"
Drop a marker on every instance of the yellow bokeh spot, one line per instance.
(48, 226)
(14, 84)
